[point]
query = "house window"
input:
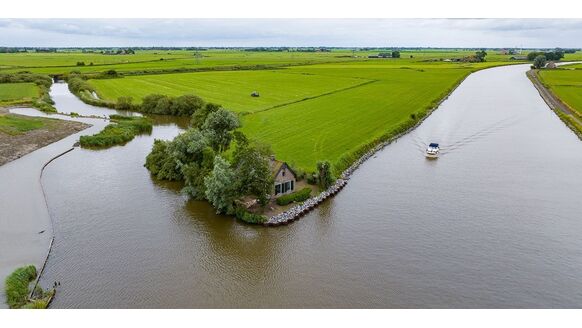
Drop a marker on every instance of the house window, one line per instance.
(277, 189)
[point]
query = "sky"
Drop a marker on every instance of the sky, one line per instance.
(523, 33)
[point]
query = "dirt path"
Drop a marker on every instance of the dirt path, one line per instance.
(15, 146)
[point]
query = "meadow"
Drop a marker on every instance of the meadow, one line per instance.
(152, 61)
(18, 91)
(231, 89)
(566, 84)
(308, 100)
(304, 112)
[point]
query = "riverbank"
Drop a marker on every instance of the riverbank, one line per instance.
(28, 134)
(305, 207)
(562, 110)
(26, 228)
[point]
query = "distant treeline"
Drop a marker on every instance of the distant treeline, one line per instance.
(549, 55)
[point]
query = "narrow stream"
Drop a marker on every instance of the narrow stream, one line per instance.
(495, 222)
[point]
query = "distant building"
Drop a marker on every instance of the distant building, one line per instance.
(551, 65)
(284, 179)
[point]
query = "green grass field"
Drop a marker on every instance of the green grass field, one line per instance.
(567, 85)
(306, 112)
(15, 124)
(18, 91)
(315, 106)
(157, 60)
(231, 89)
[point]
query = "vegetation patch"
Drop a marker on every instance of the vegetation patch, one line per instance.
(298, 196)
(123, 130)
(17, 290)
(15, 124)
(26, 88)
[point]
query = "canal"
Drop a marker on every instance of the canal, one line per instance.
(494, 222)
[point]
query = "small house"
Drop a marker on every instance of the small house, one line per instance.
(284, 179)
(551, 65)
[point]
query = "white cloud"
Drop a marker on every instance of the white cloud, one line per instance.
(292, 32)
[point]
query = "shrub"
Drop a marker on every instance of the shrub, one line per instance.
(124, 103)
(243, 215)
(312, 178)
(298, 196)
(123, 130)
(16, 286)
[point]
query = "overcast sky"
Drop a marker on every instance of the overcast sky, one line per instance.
(543, 33)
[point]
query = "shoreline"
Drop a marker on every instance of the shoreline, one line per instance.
(26, 229)
(554, 102)
(297, 211)
(19, 145)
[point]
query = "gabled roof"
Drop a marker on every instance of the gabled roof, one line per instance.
(277, 166)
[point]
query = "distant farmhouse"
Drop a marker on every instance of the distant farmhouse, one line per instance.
(284, 178)
(381, 55)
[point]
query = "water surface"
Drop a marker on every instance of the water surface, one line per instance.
(495, 222)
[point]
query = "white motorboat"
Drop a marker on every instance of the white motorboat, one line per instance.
(433, 150)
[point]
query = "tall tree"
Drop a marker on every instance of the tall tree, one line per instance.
(325, 175)
(252, 167)
(218, 129)
(539, 61)
(221, 186)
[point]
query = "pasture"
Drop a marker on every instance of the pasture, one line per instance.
(567, 85)
(230, 88)
(305, 112)
(18, 91)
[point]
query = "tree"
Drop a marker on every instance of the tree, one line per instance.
(395, 54)
(539, 61)
(194, 174)
(481, 54)
(325, 175)
(221, 186)
(218, 129)
(186, 105)
(161, 163)
(199, 116)
(188, 147)
(251, 163)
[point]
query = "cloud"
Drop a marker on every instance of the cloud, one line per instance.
(292, 32)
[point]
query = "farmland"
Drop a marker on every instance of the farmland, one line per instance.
(303, 112)
(17, 91)
(307, 102)
(566, 84)
(230, 89)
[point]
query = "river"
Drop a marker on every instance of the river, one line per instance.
(494, 222)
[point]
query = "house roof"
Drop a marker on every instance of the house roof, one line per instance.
(277, 166)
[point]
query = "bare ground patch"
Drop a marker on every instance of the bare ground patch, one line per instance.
(14, 146)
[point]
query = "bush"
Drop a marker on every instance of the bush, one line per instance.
(124, 130)
(312, 179)
(243, 215)
(124, 103)
(16, 286)
(298, 196)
